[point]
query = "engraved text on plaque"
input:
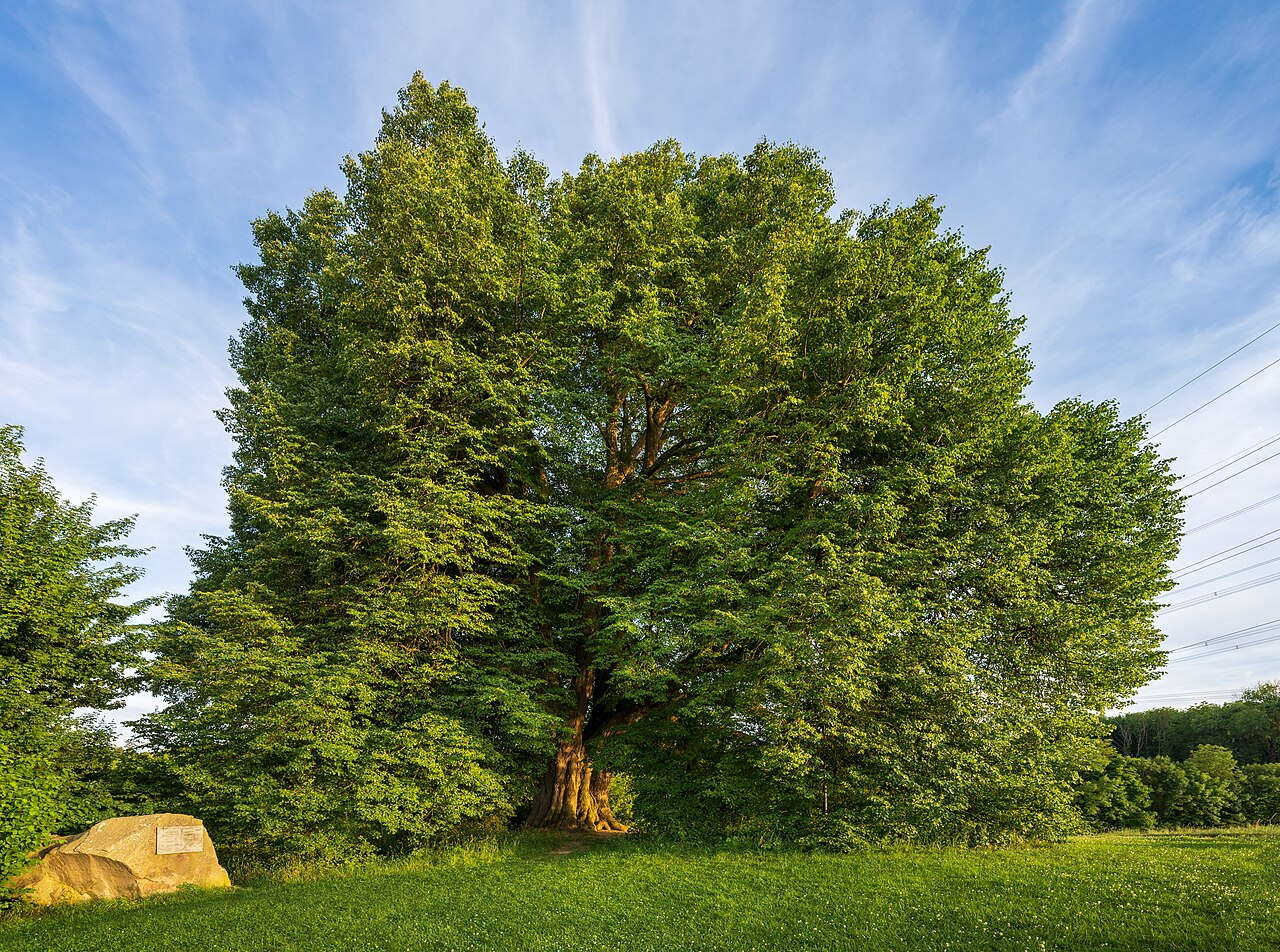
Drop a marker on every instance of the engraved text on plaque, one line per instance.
(179, 839)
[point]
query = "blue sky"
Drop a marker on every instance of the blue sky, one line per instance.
(1121, 159)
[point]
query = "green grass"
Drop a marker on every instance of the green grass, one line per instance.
(1210, 890)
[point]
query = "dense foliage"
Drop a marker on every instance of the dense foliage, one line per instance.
(1208, 788)
(662, 467)
(1249, 727)
(66, 639)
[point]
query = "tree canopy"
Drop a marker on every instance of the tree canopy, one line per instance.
(66, 640)
(66, 637)
(662, 467)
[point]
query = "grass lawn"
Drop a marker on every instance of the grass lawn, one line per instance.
(1210, 890)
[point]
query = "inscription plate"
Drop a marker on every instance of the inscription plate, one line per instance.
(179, 839)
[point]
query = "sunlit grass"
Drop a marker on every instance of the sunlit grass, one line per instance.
(1210, 890)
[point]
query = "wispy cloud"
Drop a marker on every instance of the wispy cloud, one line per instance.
(600, 29)
(1077, 49)
(30, 295)
(113, 368)
(1119, 157)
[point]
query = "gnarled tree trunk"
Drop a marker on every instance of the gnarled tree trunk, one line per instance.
(573, 795)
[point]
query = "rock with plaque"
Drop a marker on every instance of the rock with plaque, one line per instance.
(129, 856)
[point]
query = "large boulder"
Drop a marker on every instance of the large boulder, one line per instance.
(127, 856)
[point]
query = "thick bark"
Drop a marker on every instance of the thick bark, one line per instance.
(573, 795)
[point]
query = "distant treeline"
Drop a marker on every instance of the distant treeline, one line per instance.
(1249, 728)
(1211, 765)
(1208, 788)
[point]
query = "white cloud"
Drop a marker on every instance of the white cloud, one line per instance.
(600, 33)
(1067, 59)
(1131, 202)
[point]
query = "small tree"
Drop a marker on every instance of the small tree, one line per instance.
(1167, 782)
(1215, 761)
(1220, 764)
(64, 638)
(1115, 796)
(1264, 700)
(1260, 796)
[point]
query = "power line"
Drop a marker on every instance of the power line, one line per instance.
(1201, 564)
(1219, 578)
(1247, 632)
(1232, 590)
(1192, 478)
(1203, 372)
(1225, 650)
(1234, 475)
(1215, 399)
(1231, 515)
(1189, 696)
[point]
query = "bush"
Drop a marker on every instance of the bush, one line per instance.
(1167, 782)
(1206, 801)
(1214, 782)
(1260, 793)
(1115, 797)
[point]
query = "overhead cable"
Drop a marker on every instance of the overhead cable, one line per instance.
(1250, 631)
(1198, 696)
(1192, 478)
(1225, 650)
(1219, 578)
(1209, 561)
(1214, 367)
(1223, 593)
(1234, 475)
(1212, 400)
(1231, 515)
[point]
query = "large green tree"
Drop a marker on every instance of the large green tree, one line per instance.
(66, 641)
(663, 466)
(66, 634)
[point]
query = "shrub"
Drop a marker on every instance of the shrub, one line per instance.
(1115, 797)
(1260, 793)
(1214, 782)
(1167, 782)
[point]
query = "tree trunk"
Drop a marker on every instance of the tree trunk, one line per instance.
(573, 796)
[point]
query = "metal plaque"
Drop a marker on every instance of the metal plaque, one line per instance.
(179, 839)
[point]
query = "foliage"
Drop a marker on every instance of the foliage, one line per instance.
(1206, 801)
(1167, 782)
(1195, 893)
(1215, 761)
(1263, 702)
(66, 640)
(662, 468)
(1214, 787)
(1114, 796)
(1205, 790)
(105, 779)
(1249, 727)
(350, 671)
(29, 809)
(1260, 795)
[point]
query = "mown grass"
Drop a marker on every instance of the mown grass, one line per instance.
(1210, 890)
